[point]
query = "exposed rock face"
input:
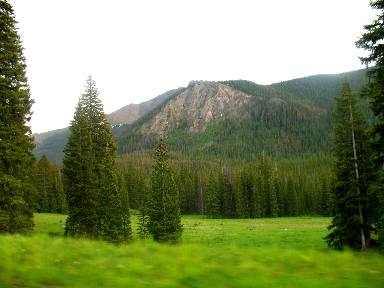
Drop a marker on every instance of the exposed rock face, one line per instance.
(197, 106)
(130, 113)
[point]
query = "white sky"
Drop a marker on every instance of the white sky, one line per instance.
(136, 50)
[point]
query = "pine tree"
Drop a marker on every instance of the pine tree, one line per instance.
(59, 192)
(213, 197)
(164, 222)
(274, 206)
(80, 178)
(16, 190)
(291, 197)
(44, 183)
(227, 197)
(371, 40)
(90, 131)
(350, 226)
(124, 199)
(113, 222)
(246, 188)
(324, 201)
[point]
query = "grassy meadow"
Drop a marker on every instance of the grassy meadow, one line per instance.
(274, 252)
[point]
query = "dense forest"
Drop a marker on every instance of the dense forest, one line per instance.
(229, 189)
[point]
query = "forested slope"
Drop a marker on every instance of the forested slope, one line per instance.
(231, 119)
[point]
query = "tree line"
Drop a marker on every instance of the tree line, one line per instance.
(232, 189)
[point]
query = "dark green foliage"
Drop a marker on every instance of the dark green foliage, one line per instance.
(245, 194)
(325, 202)
(47, 180)
(296, 186)
(274, 195)
(97, 208)
(350, 226)
(371, 41)
(213, 197)
(16, 192)
(227, 195)
(79, 178)
(164, 222)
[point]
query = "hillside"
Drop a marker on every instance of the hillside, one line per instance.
(231, 119)
(130, 113)
(52, 143)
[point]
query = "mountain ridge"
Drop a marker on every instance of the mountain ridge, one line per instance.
(199, 117)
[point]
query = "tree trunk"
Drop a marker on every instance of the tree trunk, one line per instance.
(361, 218)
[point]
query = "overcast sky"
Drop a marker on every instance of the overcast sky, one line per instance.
(136, 50)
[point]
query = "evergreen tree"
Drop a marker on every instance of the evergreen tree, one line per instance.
(143, 219)
(16, 190)
(44, 183)
(103, 209)
(350, 226)
(164, 221)
(324, 201)
(291, 197)
(126, 215)
(371, 40)
(213, 197)
(59, 191)
(246, 188)
(113, 222)
(79, 178)
(227, 197)
(274, 206)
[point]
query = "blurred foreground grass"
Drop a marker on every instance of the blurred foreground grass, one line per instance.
(285, 252)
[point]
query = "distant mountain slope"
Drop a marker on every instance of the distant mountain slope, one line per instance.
(130, 113)
(235, 119)
(230, 119)
(320, 89)
(52, 143)
(282, 119)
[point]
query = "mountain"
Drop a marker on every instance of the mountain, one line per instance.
(52, 143)
(130, 113)
(230, 119)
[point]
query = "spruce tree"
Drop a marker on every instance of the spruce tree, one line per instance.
(80, 179)
(16, 190)
(113, 222)
(44, 183)
(227, 196)
(350, 226)
(109, 219)
(274, 205)
(164, 221)
(213, 197)
(291, 197)
(59, 191)
(246, 188)
(371, 41)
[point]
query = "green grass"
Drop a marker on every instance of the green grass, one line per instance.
(283, 252)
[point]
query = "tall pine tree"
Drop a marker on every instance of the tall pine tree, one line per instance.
(350, 226)
(108, 216)
(372, 41)
(16, 190)
(80, 179)
(44, 181)
(164, 222)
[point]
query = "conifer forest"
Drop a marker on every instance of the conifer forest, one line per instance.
(216, 184)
